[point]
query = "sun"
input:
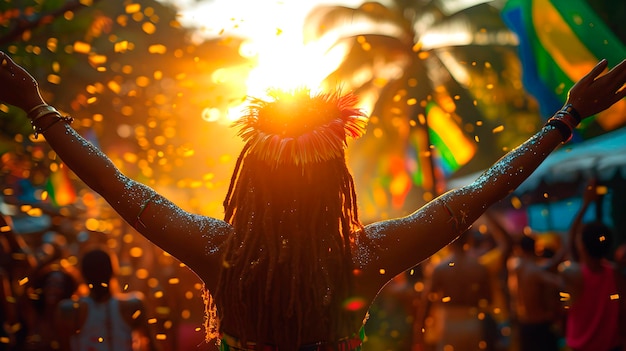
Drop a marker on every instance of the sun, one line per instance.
(276, 47)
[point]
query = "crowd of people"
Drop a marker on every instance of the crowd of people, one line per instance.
(291, 266)
(491, 289)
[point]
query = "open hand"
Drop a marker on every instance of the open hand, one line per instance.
(595, 93)
(17, 86)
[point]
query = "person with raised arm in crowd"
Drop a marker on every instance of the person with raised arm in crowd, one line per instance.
(596, 317)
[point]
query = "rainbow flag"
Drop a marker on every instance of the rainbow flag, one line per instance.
(559, 42)
(448, 150)
(61, 192)
(452, 148)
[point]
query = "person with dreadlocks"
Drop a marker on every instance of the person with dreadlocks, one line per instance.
(290, 266)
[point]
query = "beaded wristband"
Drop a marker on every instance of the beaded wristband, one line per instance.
(565, 121)
(569, 109)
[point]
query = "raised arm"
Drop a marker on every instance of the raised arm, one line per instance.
(398, 244)
(188, 237)
(590, 195)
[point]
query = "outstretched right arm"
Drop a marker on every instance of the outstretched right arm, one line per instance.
(188, 237)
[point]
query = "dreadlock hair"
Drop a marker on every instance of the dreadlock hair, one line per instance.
(294, 211)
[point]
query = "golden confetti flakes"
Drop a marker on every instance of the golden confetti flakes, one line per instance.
(122, 20)
(614, 297)
(121, 46)
(141, 273)
(142, 81)
(136, 252)
(133, 8)
(516, 202)
(497, 129)
(54, 79)
(35, 212)
(81, 47)
(564, 296)
(148, 27)
(157, 49)
(446, 299)
(97, 60)
(175, 24)
(114, 86)
(51, 44)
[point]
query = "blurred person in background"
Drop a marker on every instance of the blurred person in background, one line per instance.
(106, 319)
(461, 287)
(535, 288)
(596, 317)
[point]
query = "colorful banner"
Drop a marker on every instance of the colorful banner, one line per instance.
(560, 41)
(61, 192)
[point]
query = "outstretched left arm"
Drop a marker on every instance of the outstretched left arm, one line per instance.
(399, 244)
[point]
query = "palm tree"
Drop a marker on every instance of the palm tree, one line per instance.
(438, 76)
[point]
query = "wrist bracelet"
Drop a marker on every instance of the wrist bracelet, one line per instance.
(569, 109)
(30, 112)
(44, 110)
(40, 111)
(562, 127)
(565, 120)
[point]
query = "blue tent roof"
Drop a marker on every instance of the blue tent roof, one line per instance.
(603, 157)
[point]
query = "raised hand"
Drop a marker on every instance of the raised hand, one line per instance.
(17, 86)
(595, 93)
